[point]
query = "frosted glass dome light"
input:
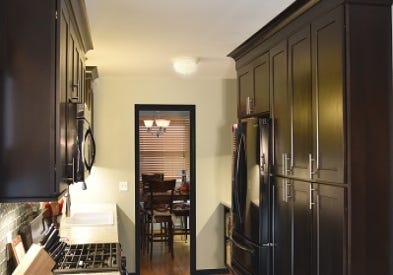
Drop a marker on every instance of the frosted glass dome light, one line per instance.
(185, 65)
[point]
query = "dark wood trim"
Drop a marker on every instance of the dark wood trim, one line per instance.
(276, 24)
(211, 271)
(369, 89)
(299, 14)
(81, 19)
(159, 107)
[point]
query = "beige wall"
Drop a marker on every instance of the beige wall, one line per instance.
(215, 102)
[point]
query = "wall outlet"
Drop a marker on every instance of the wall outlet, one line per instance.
(123, 186)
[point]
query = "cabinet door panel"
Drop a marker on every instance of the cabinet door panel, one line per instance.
(330, 228)
(300, 89)
(302, 229)
(246, 89)
(261, 84)
(328, 65)
(282, 224)
(27, 99)
(280, 106)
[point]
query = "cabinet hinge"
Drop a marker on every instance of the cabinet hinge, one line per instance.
(56, 15)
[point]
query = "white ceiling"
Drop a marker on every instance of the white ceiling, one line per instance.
(141, 37)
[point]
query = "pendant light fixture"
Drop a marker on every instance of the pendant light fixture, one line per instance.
(156, 126)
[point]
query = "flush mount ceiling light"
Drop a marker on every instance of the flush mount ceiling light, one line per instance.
(185, 65)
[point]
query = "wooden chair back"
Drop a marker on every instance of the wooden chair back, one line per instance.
(161, 195)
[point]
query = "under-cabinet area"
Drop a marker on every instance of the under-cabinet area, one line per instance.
(85, 241)
(304, 75)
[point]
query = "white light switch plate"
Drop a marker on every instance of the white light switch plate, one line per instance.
(123, 186)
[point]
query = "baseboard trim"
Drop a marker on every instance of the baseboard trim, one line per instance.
(211, 271)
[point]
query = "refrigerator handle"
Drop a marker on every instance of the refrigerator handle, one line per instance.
(242, 247)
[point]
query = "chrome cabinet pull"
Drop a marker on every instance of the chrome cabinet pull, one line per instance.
(311, 191)
(287, 187)
(263, 162)
(286, 171)
(287, 165)
(310, 166)
(285, 190)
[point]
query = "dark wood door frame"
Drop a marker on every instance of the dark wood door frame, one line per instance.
(159, 107)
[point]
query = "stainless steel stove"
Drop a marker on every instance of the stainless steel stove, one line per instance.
(95, 257)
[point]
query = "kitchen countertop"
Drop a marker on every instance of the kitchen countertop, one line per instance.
(81, 234)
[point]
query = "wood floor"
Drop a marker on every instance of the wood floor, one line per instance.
(162, 262)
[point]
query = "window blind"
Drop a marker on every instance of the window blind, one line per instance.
(169, 153)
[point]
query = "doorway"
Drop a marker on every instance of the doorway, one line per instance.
(180, 172)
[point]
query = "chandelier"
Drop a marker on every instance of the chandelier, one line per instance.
(157, 126)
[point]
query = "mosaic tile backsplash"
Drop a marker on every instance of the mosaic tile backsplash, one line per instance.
(12, 216)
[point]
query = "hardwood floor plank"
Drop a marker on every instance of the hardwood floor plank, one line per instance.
(162, 262)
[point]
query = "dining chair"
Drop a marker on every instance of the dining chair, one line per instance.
(144, 217)
(159, 211)
(181, 210)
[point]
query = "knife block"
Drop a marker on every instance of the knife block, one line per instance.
(36, 261)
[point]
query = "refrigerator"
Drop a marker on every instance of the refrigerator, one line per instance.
(252, 198)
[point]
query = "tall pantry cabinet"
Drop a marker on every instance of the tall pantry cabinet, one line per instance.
(330, 86)
(42, 48)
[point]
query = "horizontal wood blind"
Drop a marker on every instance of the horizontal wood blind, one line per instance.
(169, 153)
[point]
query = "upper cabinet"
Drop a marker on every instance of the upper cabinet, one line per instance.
(327, 159)
(253, 84)
(40, 83)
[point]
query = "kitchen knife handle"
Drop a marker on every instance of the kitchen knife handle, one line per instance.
(51, 239)
(47, 234)
(53, 245)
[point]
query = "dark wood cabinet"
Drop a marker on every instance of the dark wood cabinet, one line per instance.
(310, 228)
(261, 84)
(299, 85)
(35, 129)
(253, 81)
(280, 108)
(246, 91)
(330, 77)
(303, 248)
(282, 226)
(329, 230)
(328, 85)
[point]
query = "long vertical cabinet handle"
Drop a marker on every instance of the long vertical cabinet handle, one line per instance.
(287, 184)
(311, 194)
(284, 195)
(310, 166)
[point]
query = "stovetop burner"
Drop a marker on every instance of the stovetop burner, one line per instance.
(95, 257)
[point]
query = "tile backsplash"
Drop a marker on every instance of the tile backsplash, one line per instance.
(12, 216)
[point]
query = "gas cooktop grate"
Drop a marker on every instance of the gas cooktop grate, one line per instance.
(95, 257)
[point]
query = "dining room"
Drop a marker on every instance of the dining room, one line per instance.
(165, 205)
